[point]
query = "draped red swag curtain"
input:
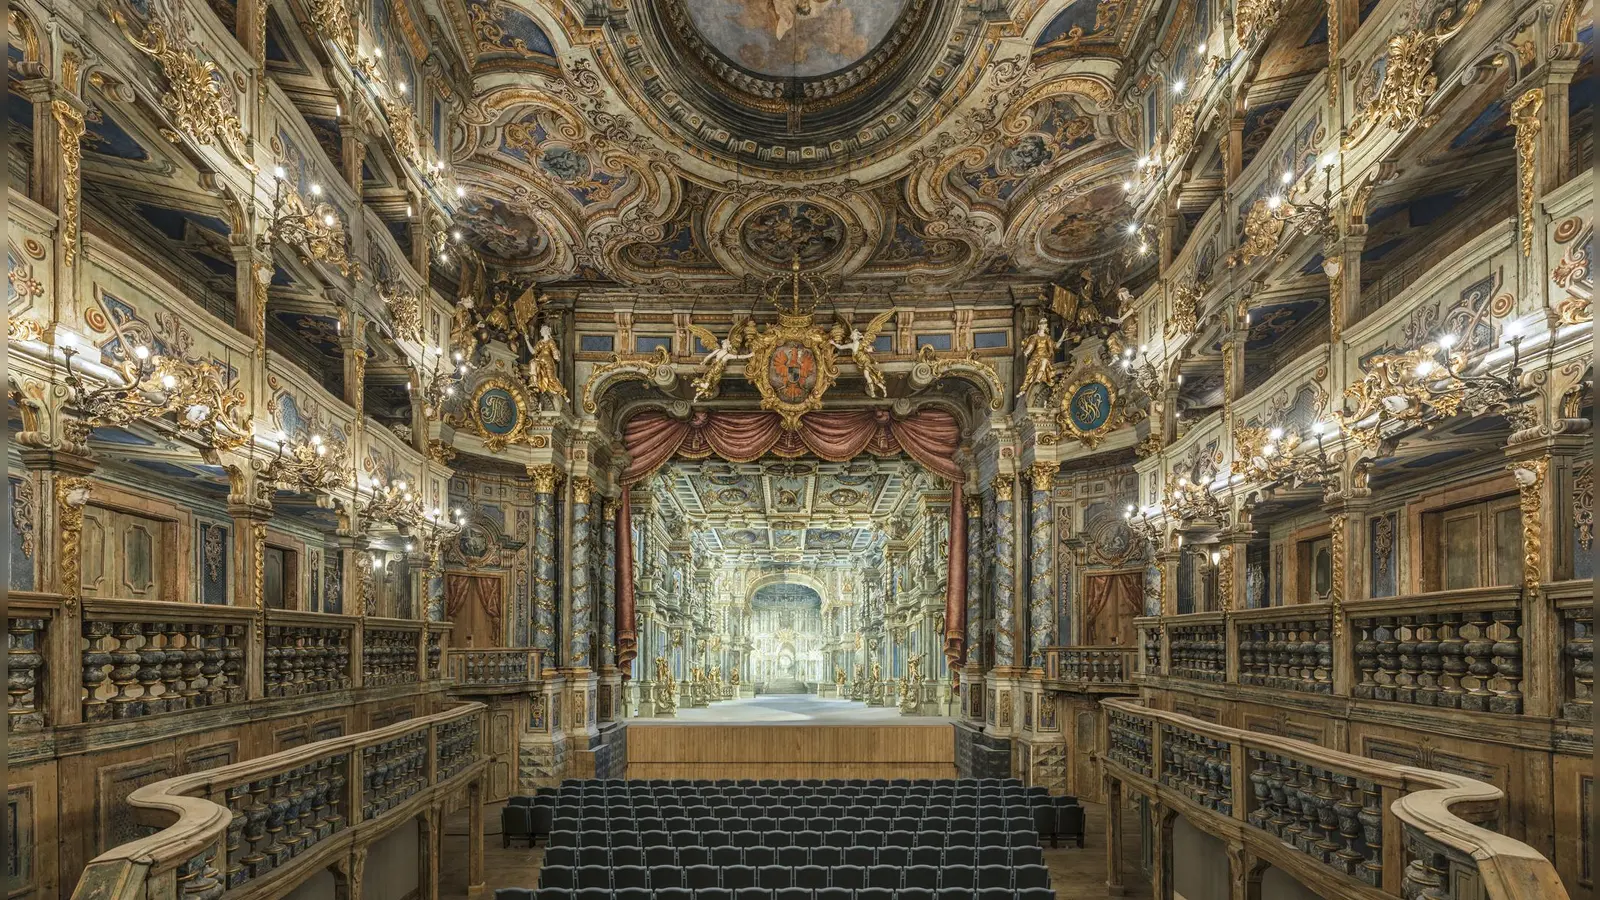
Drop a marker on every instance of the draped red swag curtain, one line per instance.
(931, 437)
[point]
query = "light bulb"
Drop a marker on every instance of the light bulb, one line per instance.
(438, 351)
(316, 188)
(1143, 349)
(456, 234)
(449, 392)
(338, 110)
(328, 220)
(1274, 202)
(142, 352)
(321, 450)
(410, 211)
(401, 485)
(402, 87)
(1143, 249)
(1215, 557)
(279, 172)
(1424, 367)
(1275, 434)
(457, 356)
(1512, 329)
(1446, 341)
(1127, 186)
(1133, 228)
(168, 382)
(1318, 427)
(1177, 86)
(1144, 161)
(1201, 49)
(377, 52)
(1287, 178)
(1269, 450)
(1329, 159)
(460, 191)
(316, 439)
(1183, 481)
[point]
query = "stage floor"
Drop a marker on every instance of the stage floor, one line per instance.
(791, 709)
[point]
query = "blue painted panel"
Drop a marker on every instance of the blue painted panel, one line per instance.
(213, 561)
(596, 343)
(648, 344)
(936, 341)
(991, 340)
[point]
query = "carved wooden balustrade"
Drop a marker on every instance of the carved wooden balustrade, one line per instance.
(288, 814)
(100, 661)
(493, 667)
(142, 658)
(1197, 648)
(1090, 668)
(1574, 601)
(1456, 650)
(1344, 825)
(1288, 648)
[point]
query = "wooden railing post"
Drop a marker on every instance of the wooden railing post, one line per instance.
(358, 650)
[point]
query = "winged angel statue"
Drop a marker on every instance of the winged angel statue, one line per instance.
(860, 349)
(723, 351)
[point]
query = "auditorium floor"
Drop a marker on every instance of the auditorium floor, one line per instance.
(1076, 874)
(792, 709)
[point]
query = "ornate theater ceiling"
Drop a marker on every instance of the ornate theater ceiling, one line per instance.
(796, 510)
(905, 143)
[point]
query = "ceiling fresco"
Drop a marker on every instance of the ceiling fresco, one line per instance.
(776, 37)
(904, 142)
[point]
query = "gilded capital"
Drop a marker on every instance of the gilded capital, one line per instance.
(1002, 488)
(1043, 475)
(582, 489)
(545, 477)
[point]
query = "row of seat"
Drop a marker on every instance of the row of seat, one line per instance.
(793, 856)
(811, 877)
(1022, 837)
(762, 824)
(966, 790)
(757, 893)
(786, 782)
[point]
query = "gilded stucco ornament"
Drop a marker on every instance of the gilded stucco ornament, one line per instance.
(1530, 475)
(1525, 119)
(198, 97)
(405, 309)
(792, 363)
(71, 496)
(1089, 408)
(1401, 94)
(1572, 274)
(498, 411)
(70, 127)
(1255, 18)
(1263, 225)
(655, 368)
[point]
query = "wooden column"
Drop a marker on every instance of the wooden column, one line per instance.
(1113, 794)
(475, 797)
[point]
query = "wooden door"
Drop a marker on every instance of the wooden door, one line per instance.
(124, 555)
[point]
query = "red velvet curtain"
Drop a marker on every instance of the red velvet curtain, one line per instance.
(955, 598)
(627, 630)
(929, 436)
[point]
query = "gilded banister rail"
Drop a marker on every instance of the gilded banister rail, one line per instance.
(1345, 825)
(228, 828)
(1461, 649)
(494, 666)
(1110, 666)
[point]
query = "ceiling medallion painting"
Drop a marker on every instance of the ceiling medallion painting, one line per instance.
(783, 232)
(798, 39)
